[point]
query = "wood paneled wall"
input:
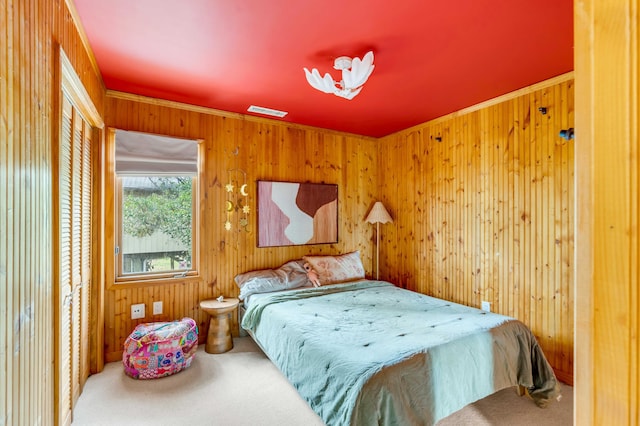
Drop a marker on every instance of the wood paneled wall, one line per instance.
(30, 34)
(607, 34)
(266, 150)
(482, 202)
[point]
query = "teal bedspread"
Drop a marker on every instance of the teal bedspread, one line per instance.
(369, 353)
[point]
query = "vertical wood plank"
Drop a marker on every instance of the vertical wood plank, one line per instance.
(607, 237)
(5, 176)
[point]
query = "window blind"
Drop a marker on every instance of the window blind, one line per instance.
(145, 154)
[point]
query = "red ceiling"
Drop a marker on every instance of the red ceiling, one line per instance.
(432, 57)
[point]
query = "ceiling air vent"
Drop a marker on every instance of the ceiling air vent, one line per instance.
(266, 111)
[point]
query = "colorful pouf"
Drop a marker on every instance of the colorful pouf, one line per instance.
(159, 349)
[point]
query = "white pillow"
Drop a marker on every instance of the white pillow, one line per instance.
(288, 276)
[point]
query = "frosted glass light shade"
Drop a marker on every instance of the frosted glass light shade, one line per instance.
(355, 73)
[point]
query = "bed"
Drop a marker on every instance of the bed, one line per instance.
(367, 352)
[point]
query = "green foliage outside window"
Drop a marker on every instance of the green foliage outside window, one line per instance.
(163, 204)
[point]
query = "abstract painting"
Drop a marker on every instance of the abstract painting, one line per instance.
(297, 213)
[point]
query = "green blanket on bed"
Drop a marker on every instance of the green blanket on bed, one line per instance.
(369, 353)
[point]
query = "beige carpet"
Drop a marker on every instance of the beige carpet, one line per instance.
(242, 387)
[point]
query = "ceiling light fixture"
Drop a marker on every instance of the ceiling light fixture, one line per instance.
(355, 73)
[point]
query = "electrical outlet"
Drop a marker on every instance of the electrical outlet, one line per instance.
(157, 307)
(137, 311)
(485, 306)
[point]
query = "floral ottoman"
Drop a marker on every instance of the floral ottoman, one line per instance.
(159, 349)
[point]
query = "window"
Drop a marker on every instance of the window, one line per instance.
(156, 210)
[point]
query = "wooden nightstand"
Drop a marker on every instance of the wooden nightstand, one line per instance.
(219, 337)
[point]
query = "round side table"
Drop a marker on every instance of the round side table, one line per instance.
(219, 337)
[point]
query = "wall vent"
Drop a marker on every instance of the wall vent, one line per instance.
(267, 111)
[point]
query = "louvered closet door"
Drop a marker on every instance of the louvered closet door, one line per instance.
(76, 250)
(75, 203)
(65, 212)
(86, 269)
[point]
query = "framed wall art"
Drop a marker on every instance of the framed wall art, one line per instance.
(292, 213)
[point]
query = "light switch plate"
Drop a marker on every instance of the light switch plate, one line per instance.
(485, 306)
(157, 307)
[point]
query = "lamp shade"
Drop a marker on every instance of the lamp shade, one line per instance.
(378, 214)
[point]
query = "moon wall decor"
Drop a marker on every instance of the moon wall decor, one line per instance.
(237, 203)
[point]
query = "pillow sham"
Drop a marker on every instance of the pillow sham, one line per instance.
(290, 275)
(337, 269)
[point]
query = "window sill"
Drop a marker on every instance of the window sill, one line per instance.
(145, 282)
